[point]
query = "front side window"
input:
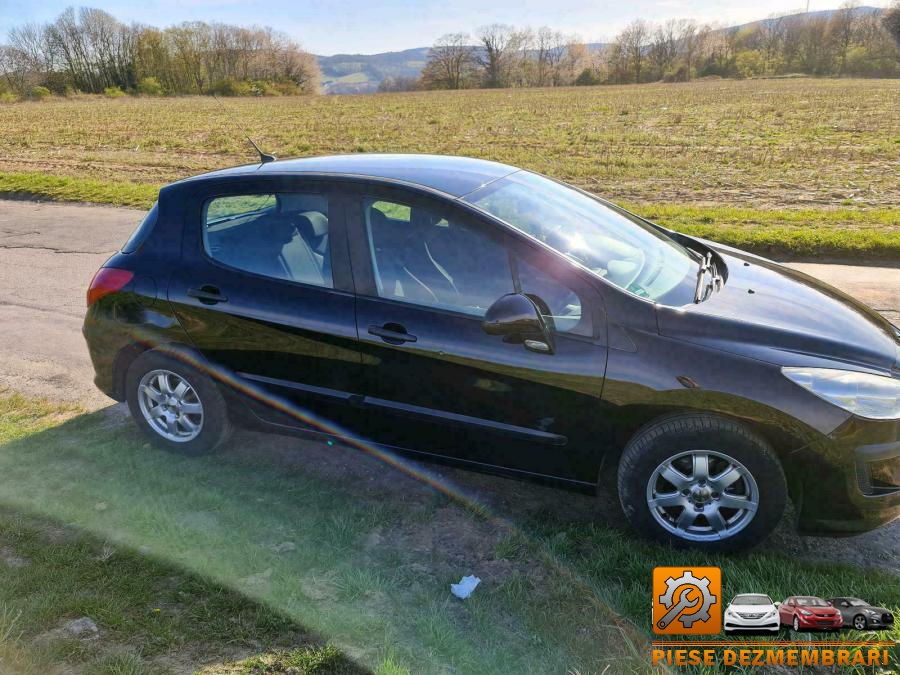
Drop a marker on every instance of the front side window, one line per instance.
(281, 236)
(623, 250)
(428, 256)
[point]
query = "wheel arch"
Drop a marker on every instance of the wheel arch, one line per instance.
(783, 435)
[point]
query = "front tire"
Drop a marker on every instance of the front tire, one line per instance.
(177, 407)
(796, 625)
(703, 481)
(860, 623)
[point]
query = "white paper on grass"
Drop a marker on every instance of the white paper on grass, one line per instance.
(464, 588)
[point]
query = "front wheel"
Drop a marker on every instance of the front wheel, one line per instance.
(179, 408)
(703, 481)
(796, 624)
(859, 622)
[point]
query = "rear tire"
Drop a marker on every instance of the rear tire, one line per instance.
(178, 408)
(703, 481)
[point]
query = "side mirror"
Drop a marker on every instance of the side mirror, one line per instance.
(517, 319)
(778, 604)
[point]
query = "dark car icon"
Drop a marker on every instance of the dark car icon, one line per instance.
(861, 615)
(475, 313)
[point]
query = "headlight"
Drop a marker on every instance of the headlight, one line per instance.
(806, 612)
(873, 396)
(871, 612)
(771, 614)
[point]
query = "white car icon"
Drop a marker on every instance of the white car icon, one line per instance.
(752, 611)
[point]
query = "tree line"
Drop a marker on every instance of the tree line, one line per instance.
(88, 50)
(849, 42)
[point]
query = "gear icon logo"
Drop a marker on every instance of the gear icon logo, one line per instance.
(687, 600)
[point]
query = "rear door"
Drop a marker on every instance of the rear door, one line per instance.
(426, 271)
(264, 290)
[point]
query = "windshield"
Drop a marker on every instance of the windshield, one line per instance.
(811, 602)
(626, 251)
(752, 600)
(855, 602)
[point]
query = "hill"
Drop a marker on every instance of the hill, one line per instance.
(361, 73)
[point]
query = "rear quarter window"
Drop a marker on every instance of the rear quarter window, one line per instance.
(139, 236)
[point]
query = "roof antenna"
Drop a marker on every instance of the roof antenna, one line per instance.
(264, 158)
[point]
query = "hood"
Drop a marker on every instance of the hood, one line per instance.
(880, 610)
(776, 314)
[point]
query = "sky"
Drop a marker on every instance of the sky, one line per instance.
(370, 26)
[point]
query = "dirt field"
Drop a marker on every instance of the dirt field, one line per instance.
(809, 166)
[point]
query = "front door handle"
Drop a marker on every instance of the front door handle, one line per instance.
(208, 295)
(392, 333)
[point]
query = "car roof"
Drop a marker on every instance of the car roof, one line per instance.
(456, 176)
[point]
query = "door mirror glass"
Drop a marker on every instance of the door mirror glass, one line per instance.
(778, 604)
(515, 317)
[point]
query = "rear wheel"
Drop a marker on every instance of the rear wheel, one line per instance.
(701, 480)
(179, 408)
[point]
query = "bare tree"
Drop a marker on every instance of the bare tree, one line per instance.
(500, 44)
(634, 39)
(663, 48)
(891, 20)
(451, 62)
(842, 31)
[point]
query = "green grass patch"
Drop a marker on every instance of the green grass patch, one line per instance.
(74, 189)
(278, 535)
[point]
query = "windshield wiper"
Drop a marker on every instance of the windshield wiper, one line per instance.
(702, 291)
(701, 288)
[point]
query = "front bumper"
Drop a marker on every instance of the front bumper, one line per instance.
(737, 622)
(814, 622)
(850, 479)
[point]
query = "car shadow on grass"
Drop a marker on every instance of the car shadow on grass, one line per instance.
(361, 551)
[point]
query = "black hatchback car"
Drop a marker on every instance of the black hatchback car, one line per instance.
(473, 312)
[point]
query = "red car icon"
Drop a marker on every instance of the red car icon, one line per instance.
(804, 612)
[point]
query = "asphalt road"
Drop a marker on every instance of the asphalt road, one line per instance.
(48, 253)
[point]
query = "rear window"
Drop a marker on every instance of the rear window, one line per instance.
(139, 236)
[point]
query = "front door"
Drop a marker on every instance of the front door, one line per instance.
(426, 271)
(264, 290)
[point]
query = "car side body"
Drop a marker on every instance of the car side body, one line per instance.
(333, 357)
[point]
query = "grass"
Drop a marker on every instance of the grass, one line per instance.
(794, 167)
(319, 557)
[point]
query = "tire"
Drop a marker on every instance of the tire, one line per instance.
(796, 625)
(696, 513)
(182, 428)
(865, 623)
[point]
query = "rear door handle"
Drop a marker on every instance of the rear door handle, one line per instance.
(208, 295)
(392, 333)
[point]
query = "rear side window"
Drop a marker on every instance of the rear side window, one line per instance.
(139, 236)
(280, 236)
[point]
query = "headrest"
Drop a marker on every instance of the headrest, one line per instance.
(279, 227)
(312, 224)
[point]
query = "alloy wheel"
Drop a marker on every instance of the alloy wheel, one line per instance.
(796, 623)
(702, 495)
(170, 405)
(859, 623)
